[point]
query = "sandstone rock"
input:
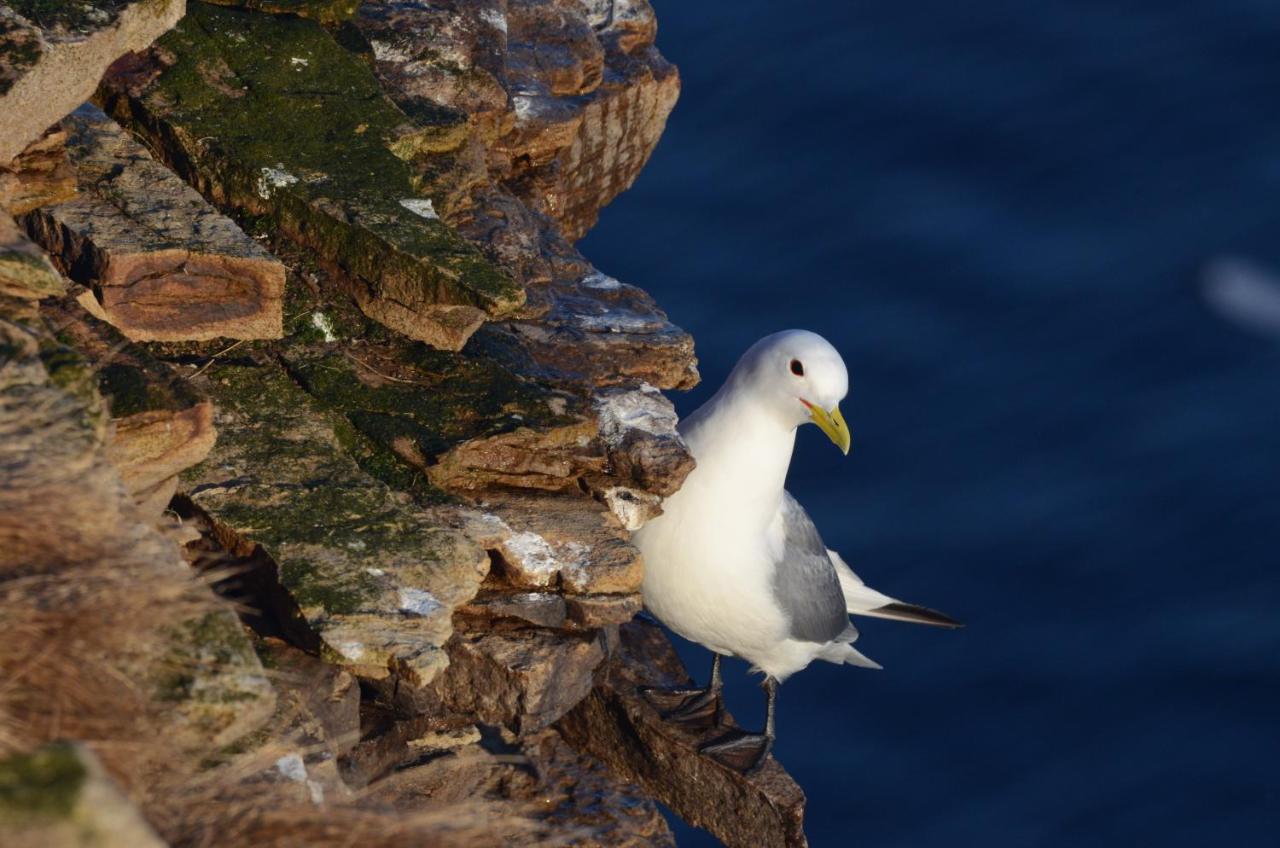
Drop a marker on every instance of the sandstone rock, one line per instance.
(566, 541)
(463, 422)
(596, 330)
(59, 797)
(545, 609)
(299, 130)
(565, 116)
(163, 264)
(596, 611)
(160, 424)
(584, 798)
(435, 56)
(24, 269)
(38, 176)
(376, 578)
(522, 678)
(638, 426)
(591, 96)
(616, 724)
(319, 702)
(53, 54)
(524, 457)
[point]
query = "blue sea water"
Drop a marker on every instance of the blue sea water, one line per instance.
(998, 212)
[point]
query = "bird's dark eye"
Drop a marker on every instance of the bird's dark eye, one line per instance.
(797, 367)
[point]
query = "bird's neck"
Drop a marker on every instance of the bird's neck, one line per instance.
(743, 451)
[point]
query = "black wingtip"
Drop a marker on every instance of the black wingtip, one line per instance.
(899, 611)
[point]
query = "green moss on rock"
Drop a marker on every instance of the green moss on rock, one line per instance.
(412, 400)
(297, 129)
(46, 782)
(324, 11)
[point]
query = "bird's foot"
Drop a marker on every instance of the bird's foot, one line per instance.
(685, 705)
(739, 750)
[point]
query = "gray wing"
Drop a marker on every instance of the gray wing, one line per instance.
(805, 584)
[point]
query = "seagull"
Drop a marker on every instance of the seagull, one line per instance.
(735, 563)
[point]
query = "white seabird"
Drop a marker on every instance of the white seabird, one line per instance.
(734, 562)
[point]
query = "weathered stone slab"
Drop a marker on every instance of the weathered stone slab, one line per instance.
(559, 541)
(164, 265)
(522, 678)
(298, 129)
(38, 176)
(160, 425)
(52, 56)
(617, 725)
(465, 423)
(25, 271)
(591, 97)
(596, 330)
(375, 577)
(435, 57)
(527, 103)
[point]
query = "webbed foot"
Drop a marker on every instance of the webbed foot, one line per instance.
(685, 705)
(739, 750)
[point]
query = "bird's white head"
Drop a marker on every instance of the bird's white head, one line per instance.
(801, 377)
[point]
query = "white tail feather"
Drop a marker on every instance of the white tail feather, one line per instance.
(859, 598)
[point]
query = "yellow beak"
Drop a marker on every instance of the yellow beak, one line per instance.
(831, 423)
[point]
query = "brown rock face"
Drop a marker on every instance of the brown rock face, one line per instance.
(414, 484)
(52, 56)
(560, 105)
(25, 271)
(163, 263)
(617, 725)
(591, 97)
(38, 176)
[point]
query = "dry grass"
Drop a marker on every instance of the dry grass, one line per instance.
(89, 598)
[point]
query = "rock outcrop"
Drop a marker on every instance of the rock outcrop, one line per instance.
(52, 56)
(314, 313)
(162, 264)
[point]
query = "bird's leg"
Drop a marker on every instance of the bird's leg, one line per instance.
(690, 704)
(742, 751)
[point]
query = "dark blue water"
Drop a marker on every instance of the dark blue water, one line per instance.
(997, 211)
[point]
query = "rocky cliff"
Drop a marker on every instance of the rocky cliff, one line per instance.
(321, 443)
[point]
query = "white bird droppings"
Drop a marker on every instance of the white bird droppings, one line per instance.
(274, 178)
(418, 602)
(292, 768)
(495, 19)
(599, 280)
(534, 557)
(420, 206)
(349, 649)
(322, 323)
(643, 409)
(629, 509)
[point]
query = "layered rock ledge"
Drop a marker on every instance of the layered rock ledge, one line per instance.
(322, 441)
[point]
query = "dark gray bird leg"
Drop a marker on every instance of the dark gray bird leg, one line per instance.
(743, 751)
(690, 705)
